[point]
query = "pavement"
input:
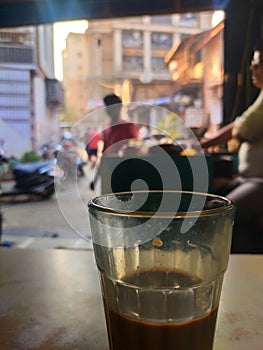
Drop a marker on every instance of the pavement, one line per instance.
(61, 222)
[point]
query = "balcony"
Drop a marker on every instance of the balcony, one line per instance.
(17, 54)
(54, 93)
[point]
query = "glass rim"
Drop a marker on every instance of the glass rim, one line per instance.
(227, 207)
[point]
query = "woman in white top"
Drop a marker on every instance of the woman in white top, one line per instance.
(246, 191)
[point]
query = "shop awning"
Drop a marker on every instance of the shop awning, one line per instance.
(194, 43)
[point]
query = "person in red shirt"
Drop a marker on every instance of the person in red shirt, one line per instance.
(93, 145)
(119, 131)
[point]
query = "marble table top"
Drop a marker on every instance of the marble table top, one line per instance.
(50, 299)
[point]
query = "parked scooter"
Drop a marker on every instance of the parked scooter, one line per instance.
(36, 178)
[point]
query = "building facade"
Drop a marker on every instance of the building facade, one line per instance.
(30, 97)
(197, 65)
(126, 56)
(75, 72)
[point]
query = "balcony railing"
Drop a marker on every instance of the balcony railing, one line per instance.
(54, 93)
(17, 54)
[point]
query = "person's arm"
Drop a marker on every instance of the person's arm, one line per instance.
(235, 134)
(222, 136)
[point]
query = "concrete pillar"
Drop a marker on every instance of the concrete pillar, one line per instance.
(147, 52)
(117, 51)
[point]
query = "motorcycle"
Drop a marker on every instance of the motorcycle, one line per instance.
(36, 178)
(69, 160)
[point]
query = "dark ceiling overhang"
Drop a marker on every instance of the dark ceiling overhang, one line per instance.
(33, 12)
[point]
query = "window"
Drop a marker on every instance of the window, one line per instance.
(161, 41)
(132, 39)
(189, 20)
(133, 64)
(161, 19)
(158, 65)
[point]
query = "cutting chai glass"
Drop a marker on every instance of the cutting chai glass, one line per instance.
(161, 257)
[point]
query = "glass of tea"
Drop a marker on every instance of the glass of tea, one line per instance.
(161, 257)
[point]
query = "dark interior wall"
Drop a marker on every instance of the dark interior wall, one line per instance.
(19, 12)
(243, 27)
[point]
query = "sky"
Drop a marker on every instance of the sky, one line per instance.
(61, 30)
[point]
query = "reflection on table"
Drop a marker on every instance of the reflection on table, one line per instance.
(50, 299)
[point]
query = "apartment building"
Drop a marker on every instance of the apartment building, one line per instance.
(75, 72)
(30, 96)
(125, 56)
